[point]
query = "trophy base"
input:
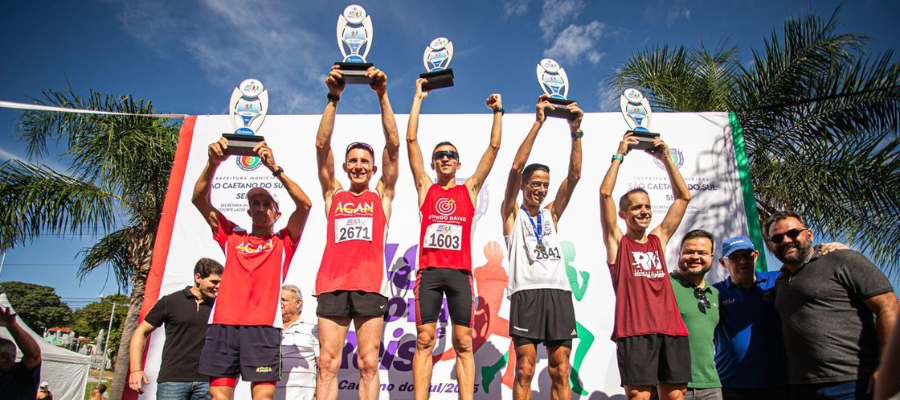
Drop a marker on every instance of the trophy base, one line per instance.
(645, 139)
(438, 79)
(241, 145)
(561, 111)
(354, 73)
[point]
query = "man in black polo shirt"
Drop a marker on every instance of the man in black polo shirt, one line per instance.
(186, 316)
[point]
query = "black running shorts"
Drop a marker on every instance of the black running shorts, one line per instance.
(648, 360)
(341, 303)
(542, 316)
(253, 352)
(431, 286)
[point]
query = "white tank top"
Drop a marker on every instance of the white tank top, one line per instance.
(533, 265)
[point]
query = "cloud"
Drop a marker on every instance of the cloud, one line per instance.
(677, 12)
(578, 43)
(514, 7)
(558, 13)
(670, 12)
(6, 155)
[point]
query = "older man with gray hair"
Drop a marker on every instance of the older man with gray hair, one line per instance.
(18, 380)
(299, 349)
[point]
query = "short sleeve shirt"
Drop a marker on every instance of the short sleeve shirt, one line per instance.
(185, 322)
(20, 383)
(824, 317)
(701, 325)
(299, 350)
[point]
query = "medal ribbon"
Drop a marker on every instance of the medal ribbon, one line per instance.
(538, 229)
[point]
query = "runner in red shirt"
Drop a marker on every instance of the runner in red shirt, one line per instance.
(351, 284)
(245, 334)
(444, 267)
(651, 339)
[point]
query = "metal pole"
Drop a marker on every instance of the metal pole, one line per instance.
(2, 258)
(106, 346)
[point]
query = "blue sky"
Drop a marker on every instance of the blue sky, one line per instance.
(186, 56)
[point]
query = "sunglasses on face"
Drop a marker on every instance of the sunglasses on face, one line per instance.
(360, 145)
(793, 233)
(702, 301)
(738, 257)
(445, 153)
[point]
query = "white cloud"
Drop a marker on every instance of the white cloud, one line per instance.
(6, 155)
(514, 7)
(558, 13)
(578, 43)
(677, 12)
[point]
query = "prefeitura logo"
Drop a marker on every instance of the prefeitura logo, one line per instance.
(248, 163)
(677, 159)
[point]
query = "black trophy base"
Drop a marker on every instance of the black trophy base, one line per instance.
(561, 111)
(241, 145)
(645, 139)
(438, 79)
(354, 73)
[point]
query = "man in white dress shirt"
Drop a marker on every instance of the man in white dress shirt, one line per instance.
(299, 350)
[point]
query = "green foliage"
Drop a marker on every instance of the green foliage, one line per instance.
(820, 117)
(39, 306)
(88, 321)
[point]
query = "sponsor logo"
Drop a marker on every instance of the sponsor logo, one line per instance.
(647, 265)
(520, 329)
(445, 206)
(574, 332)
(728, 301)
(677, 159)
(248, 163)
(263, 369)
(249, 248)
(353, 208)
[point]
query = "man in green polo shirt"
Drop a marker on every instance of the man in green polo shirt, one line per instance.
(698, 302)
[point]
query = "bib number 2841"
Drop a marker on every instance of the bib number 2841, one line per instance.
(443, 236)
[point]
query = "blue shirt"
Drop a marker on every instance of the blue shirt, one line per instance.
(749, 346)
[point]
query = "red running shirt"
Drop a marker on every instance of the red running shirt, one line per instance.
(445, 238)
(354, 250)
(645, 302)
(255, 267)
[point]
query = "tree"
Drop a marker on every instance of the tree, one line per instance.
(39, 306)
(94, 317)
(115, 185)
(819, 117)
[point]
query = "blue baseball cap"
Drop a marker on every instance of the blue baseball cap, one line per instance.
(736, 243)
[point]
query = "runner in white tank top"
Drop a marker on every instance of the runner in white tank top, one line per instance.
(541, 308)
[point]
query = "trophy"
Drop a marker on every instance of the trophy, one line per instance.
(354, 31)
(636, 110)
(437, 61)
(554, 82)
(247, 108)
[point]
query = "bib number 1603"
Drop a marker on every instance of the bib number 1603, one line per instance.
(443, 236)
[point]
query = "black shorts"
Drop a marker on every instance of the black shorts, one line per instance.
(431, 286)
(253, 352)
(542, 315)
(648, 360)
(341, 303)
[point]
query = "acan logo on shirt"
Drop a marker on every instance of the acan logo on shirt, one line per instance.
(354, 208)
(647, 264)
(245, 248)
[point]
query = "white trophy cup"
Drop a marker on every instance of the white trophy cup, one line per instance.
(637, 113)
(354, 37)
(554, 82)
(247, 108)
(437, 59)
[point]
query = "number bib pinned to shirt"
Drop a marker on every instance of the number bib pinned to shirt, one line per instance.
(547, 250)
(346, 229)
(443, 236)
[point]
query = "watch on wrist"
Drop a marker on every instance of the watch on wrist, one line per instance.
(618, 157)
(501, 110)
(278, 171)
(332, 96)
(577, 133)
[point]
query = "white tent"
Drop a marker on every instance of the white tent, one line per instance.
(66, 371)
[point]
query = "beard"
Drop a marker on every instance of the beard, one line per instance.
(700, 272)
(804, 250)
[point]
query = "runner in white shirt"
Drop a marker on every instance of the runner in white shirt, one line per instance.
(299, 350)
(541, 308)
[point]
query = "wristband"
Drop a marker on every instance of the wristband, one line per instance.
(278, 171)
(333, 97)
(500, 109)
(618, 157)
(577, 134)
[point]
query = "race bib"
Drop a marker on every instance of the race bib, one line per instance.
(346, 229)
(443, 236)
(547, 251)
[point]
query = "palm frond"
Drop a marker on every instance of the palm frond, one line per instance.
(112, 251)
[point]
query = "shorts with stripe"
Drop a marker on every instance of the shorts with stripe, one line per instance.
(431, 286)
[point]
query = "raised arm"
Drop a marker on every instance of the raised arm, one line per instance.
(673, 218)
(416, 163)
(136, 376)
(324, 153)
(514, 180)
(611, 232)
(495, 103)
(297, 220)
(200, 197)
(567, 186)
(390, 157)
(31, 352)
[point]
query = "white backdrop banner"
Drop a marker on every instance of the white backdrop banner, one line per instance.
(701, 144)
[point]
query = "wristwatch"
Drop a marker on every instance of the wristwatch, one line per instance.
(278, 171)
(577, 133)
(500, 109)
(617, 157)
(333, 97)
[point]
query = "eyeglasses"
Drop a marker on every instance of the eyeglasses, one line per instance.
(793, 233)
(702, 301)
(445, 153)
(738, 257)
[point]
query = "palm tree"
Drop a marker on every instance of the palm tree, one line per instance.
(819, 117)
(114, 186)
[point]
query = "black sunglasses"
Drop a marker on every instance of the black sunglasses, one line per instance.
(702, 301)
(793, 233)
(445, 153)
(738, 257)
